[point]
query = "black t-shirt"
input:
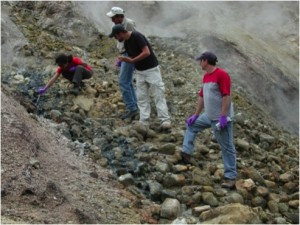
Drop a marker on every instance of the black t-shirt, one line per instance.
(134, 46)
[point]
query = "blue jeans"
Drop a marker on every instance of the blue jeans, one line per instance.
(126, 86)
(224, 138)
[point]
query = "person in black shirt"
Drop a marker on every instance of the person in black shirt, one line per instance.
(148, 74)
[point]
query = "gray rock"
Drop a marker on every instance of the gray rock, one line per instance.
(126, 179)
(55, 115)
(268, 138)
(283, 207)
(168, 149)
(280, 220)
(235, 198)
(180, 220)
(259, 201)
(155, 189)
(286, 177)
(170, 209)
(292, 217)
(173, 180)
(199, 209)
(162, 167)
(210, 199)
(243, 144)
(262, 191)
(230, 214)
(75, 131)
(273, 206)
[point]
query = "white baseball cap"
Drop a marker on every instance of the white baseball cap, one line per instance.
(115, 11)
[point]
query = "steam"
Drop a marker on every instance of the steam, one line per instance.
(172, 18)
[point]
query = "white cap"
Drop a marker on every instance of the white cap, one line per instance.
(115, 11)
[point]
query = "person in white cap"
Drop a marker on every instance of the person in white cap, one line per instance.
(117, 16)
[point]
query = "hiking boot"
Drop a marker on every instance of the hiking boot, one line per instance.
(188, 159)
(166, 125)
(82, 84)
(228, 183)
(75, 90)
(130, 114)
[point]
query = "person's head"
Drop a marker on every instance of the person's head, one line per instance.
(119, 33)
(116, 14)
(63, 60)
(207, 59)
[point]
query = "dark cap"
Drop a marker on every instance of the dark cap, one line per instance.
(116, 30)
(209, 56)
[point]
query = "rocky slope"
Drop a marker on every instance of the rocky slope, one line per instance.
(143, 160)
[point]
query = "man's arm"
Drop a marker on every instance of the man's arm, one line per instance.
(225, 105)
(199, 106)
(145, 53)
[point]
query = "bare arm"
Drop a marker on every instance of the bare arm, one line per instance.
(145, 53)
(199, 106)
(52, 80)
(225, 104)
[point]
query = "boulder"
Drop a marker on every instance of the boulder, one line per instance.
(170, 209)
(235, 213)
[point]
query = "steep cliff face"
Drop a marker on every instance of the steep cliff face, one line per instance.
(59, 177)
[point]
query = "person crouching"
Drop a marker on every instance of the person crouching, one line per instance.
(72, 69)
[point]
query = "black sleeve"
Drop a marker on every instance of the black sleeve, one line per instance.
(141, 41)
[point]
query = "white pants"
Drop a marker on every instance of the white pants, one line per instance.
(150, 81)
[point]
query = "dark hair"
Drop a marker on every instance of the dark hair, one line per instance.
(212, 62)
(119, 15)
(63, 59)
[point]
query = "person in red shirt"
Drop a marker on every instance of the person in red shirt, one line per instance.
(214, 110)
(71, 68)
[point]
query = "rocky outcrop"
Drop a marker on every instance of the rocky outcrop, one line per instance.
(141, 158)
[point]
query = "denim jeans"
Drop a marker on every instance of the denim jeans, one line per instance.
(224, 138)
(126, 86)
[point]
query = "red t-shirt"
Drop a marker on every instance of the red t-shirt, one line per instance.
(215, 85)
(72, 66)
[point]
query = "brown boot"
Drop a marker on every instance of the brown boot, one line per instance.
(228, 183)
(188, 159)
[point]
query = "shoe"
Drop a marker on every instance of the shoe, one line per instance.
(186, 158)
(228, 183)
(82, 84)
(130, 114)
(166, 125)
(75, 90)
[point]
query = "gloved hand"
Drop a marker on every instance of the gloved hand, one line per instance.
(72, 69)
(42, 90)
(118, 63)
(191, 119)
(223, 121)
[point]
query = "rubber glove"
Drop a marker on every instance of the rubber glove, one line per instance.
(223, 121)
(191, 119)
(42, 90)
(118, 63)
(72, 69)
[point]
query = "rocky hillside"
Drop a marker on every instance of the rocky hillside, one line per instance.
(65, 171)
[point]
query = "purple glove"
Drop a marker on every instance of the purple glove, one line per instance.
(42, 90)
(118, 63)
(223, 121)
(72, 69)
(191, 120)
